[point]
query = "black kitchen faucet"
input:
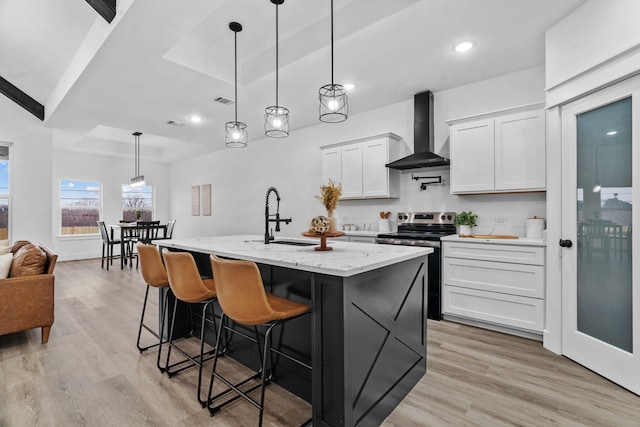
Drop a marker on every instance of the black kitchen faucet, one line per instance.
(267, 217)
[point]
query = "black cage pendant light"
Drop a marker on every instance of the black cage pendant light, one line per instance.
(334, 103)
(235, 135)
(138, 179)
(276, 117)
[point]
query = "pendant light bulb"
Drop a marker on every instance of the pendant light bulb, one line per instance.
(276, 117)
(235, 135)
(334, 102)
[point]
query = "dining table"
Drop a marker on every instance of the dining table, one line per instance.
(133, 232)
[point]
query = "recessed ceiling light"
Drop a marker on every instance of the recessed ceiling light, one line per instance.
(463, 46)
(195, 119)
(349, 86)
(612, 132)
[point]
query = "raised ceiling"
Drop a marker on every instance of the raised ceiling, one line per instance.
(163, 60)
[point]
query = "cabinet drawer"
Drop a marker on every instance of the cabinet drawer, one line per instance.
(516, 279)
(533, 255)
(362, 239)
(508, 310)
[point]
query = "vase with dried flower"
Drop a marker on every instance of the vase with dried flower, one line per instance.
(329, 195)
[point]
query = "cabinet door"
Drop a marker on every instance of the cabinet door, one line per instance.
(332, 165)
(352, 171)
(375, 155)
(472, 157)
(520, 151)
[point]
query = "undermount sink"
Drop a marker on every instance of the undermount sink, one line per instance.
(292, 243)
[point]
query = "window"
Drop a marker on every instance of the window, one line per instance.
(80, 207)
(137, 203)
(4, 192)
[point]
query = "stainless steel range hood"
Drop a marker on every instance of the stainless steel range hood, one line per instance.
(423, 155)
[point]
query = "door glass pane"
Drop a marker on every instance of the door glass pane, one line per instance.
(604, 224)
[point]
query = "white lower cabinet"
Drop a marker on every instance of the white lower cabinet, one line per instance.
(495, 283)
(362, 239)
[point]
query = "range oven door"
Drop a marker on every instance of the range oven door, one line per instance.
(434, 276)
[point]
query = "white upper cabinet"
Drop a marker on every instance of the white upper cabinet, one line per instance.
(359, 165)
(351, 168)
(499, 152)
(472, 159)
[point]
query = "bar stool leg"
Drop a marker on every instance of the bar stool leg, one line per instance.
(163, 316)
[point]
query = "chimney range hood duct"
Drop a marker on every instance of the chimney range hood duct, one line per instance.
(423, 155)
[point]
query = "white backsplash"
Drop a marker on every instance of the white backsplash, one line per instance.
(515, 208)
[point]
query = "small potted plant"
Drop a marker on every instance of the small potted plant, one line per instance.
(464, 221)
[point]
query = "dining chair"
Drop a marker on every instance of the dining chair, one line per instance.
(148, 230)
(243, 299)
(597, 234)
(107, 244)
(168, 230)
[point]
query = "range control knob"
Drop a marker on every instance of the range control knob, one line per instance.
(442, 217)
(449, 217)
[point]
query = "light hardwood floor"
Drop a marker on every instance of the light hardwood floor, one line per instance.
(90, 373)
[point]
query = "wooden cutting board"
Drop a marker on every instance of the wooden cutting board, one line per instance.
(492, 236)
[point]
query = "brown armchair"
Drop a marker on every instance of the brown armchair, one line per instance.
(26, 301)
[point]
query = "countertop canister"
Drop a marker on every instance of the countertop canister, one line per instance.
(534, 227)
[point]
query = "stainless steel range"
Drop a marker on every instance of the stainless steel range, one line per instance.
(424, 229)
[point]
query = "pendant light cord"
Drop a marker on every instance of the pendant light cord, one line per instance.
(277, 105)
(235, 56)
(332, 43)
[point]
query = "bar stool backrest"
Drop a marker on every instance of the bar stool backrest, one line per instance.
(184, 277)
(151, 266)
(241, 292)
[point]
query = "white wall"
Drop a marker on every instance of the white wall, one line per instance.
(30, 173)
(240, 177)
(111, 172)
(593, 33)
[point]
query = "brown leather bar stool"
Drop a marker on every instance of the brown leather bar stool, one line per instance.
(154, 275)
(243, 299)
(187, 286)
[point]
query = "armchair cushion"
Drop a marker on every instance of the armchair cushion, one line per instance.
(5, 265)
(29, 260)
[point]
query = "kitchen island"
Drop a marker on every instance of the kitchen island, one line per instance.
(366, 336)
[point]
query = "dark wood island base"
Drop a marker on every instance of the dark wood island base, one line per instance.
(365, 338)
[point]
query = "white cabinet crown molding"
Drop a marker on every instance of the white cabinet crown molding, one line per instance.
(390, 135)
(492, 114)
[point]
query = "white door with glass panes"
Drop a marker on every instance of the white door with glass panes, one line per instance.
(600, 269)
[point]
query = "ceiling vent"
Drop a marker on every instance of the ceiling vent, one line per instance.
(175, 123)
(222, 100)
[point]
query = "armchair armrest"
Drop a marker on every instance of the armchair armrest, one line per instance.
(27, 302)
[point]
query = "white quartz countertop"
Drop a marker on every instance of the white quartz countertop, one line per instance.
(518, 241)
(345, 260)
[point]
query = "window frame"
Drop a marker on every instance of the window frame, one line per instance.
(125, 189)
